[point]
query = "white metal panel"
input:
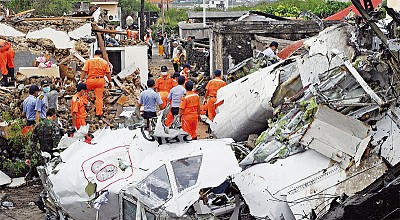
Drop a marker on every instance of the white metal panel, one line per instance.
(137, 55)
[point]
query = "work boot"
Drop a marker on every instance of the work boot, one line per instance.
(11, 73)
(5, 81)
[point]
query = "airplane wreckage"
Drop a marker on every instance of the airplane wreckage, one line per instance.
(329, 124)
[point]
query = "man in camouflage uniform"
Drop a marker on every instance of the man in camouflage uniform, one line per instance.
(47, 133)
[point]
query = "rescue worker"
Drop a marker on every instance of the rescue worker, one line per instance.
(160, 41)
(29, 105)
(78, 106)
(95, 69)
(175, 96)
(149, 99)
(175, 79)
(41, 101)
(185, 71)
(270, 52)
(4, 46)
(189, 110)
(47, 133)
(211, 94)
(10, 53)
(179, 57)
(164, 83)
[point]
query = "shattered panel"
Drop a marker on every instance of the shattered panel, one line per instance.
(335, 135)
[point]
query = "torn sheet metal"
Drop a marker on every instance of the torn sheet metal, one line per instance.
(336, 136)
(246, 105)
(247, 101)
(308, 180)
(117, 158)
(168, 181)
(4, 179)
(386, 136)
(60, 39)
(108, 165)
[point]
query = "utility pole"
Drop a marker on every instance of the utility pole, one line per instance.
(162, 16)
(142, 20)
(204, 13)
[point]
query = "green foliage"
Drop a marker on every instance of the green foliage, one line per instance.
(19, 144)
(171, 19)
(291, 8)
(43, 7)
(131, 6)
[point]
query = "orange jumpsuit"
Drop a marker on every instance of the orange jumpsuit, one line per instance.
(190, 106)
(4, 46)
(129, 33)
(212, 87)
(10, 57)
(164, 84)
(164, 99)
(78, 107)
(185, 74)
(96, 69)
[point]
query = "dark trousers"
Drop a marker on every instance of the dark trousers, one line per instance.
(30, 122)
(175, 110)
(176, 67)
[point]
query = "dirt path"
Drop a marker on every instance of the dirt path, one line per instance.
(23, 199)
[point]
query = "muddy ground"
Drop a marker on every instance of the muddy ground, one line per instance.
(24, 197)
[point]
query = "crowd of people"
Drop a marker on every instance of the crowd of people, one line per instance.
(178, 92)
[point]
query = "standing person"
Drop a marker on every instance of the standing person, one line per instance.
(78, 109)
(160, 44)
(189, 110)
(149, 41)
(185, 71)
(149, 99)
(4, 46)
(175, 79)
(174, 53)
(164, 83)
(95, 69)
(10, 53)
(29, 105)
(41, 101)
(166, 46)
(179, 58)
(211, 94)
(271, 51)
(47, 133)
(175, 96)
(189, 46)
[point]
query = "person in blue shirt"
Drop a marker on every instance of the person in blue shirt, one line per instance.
(41, 101)
(176, 94)
(149, 99)
(29, 105)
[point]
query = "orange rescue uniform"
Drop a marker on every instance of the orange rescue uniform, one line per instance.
(164, 99)
(190, 106)
(212, 87)
(10, 57)
(96, 69)
(164, 84)
(78, 107)
(4, 46)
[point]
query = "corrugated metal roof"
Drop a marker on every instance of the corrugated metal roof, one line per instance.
(216, 14)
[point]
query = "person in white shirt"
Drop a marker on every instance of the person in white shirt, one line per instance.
(270, 52)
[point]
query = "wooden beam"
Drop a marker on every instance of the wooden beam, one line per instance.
(109, 31)
(24, 12)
